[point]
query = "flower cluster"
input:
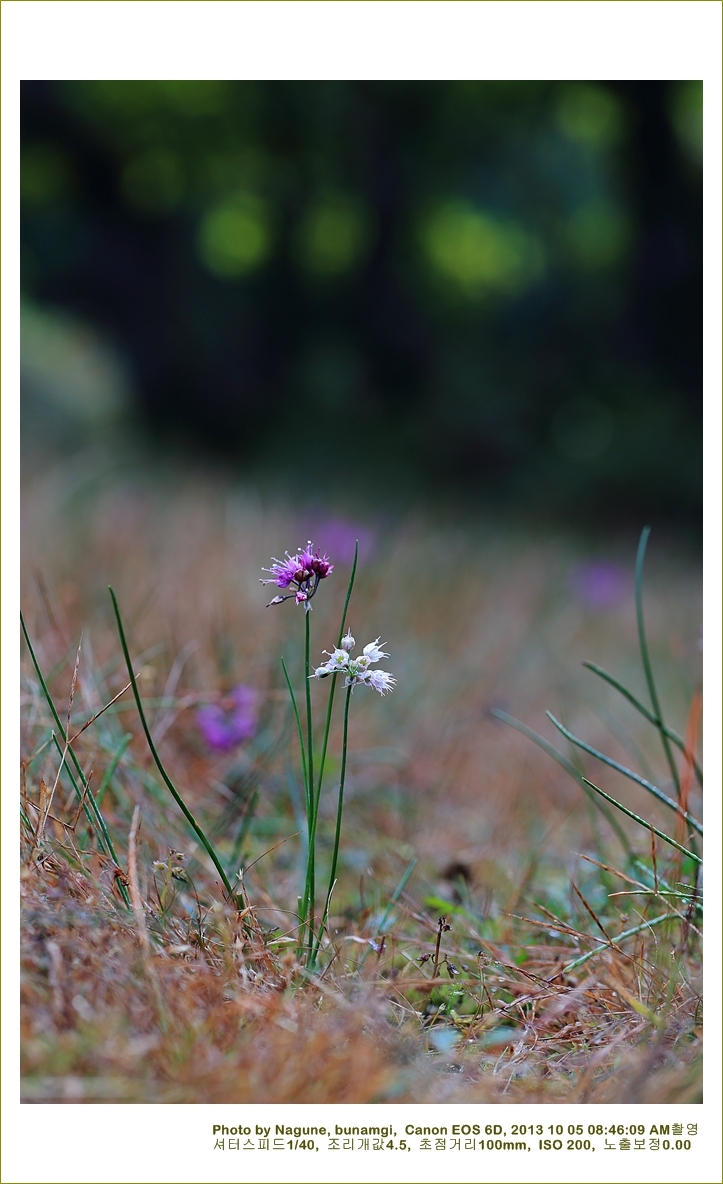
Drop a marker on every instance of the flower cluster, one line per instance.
(357, 669)
(302, 572)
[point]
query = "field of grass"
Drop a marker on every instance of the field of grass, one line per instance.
(470, 886)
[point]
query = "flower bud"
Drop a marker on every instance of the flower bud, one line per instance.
(348, 643)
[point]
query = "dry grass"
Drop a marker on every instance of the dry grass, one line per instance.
(186, 1000)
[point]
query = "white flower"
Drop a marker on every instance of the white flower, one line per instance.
(338, 659)
(373, 651)
(381, 681)
(357, 669)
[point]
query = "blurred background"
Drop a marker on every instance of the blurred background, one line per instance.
(464, 294)
(459, 322)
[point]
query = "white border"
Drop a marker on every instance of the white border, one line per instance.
(325, 39)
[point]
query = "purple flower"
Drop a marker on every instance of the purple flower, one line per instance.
(600, 583)
(302, 572)
(227, 724)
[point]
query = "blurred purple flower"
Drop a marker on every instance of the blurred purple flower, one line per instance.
(227, 724)
(600, 583)
(340, 537)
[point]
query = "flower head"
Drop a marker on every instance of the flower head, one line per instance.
(227, 724)
(381, 681)
(374, 652)
(357, 669)
(300, 572)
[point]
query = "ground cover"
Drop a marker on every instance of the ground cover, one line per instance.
(475, 944)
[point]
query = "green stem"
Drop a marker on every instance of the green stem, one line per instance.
(298, 728)
(646, 657)
(330, 705)
(337, 836)
(332, 689)
(653, 789)
(311, 868)
(159, 765)
(648, 825)
(677, 740)
(110, 771)
(570, 768)
(93, 817)
(98, 817)
(616, 941)
(307, 798)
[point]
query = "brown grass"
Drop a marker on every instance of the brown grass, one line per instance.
(193, 1002)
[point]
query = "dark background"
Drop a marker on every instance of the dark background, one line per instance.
(491, 290)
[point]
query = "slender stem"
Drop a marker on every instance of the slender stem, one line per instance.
(86, 795)
(337, 836)
(311, 869)
(332, 689)
(327, 726)
(174, 792)
(307, 798)
(653, 789)
(83, 795)
(646, 657)
(648, 826)
(677, 740)
(382, 926)
(570, 768)
(298, 727)
(616, 941)
(110, 771)
(440, 924)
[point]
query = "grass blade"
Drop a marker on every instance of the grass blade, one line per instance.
(308, 802)
(653, 789)
(298, 728)
(89, 801)
(110, 771)
(658, 721)
(159, 765)
(569, 768)
(337, 835)
(677, 740)
(648, 825)
(616, 941)
(396, 894)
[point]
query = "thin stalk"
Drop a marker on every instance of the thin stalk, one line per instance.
(678, 741)
(382, 927)
(337, 836)
(307, 793)
(396, 894)
(616, 941)
(311, 864)
(646, 656)
(81, 794)
(86, 795)
(332, 688)
(648, 826)
(570, 768)
(327, 726)
(159, 765)
(110, 771)
(298, 728)
(653, 789)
